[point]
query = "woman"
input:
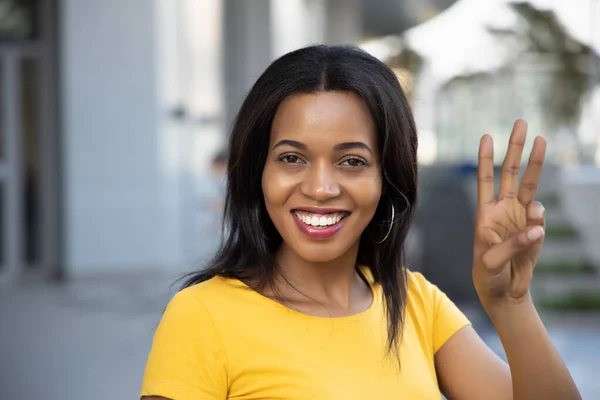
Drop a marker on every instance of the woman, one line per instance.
(308, 297)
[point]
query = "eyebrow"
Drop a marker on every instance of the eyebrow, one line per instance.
(337, 147)
(352, 145)
(292, 143)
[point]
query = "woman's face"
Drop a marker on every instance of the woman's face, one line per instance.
(322, 177)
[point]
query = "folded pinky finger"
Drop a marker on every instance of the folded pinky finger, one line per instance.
(497, 256)
(535, 214)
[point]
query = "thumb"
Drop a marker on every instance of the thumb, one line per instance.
(497, 256)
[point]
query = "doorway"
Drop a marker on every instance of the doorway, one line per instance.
(28, 140)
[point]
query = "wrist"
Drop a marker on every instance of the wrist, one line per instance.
(508, 307)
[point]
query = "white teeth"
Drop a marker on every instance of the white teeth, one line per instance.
(319, 220)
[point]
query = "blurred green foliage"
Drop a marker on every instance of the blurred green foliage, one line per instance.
(565, 268)
(561, 232)
(573, 302)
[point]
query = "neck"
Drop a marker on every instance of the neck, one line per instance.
(333, 282)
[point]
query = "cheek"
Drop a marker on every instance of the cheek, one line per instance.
(375, 186)
(375, 193)
(266, 179)
(367, 196)
(276, 188)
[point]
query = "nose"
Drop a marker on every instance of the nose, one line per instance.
(320, 183)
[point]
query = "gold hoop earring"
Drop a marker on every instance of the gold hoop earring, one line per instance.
(393, 218)
(390, 228)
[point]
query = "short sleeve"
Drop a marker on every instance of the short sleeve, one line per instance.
(187, 360)
(446, 317)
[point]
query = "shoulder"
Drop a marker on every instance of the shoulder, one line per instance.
(216, 292)
(419, 288)
(188, 358)
(187, 307)
(417, 281)
(421, 294)
(423, 298)
(432, 307)
(214, 286)
(195, 312)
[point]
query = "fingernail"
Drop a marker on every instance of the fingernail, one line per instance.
(535, 233)
(537, 212)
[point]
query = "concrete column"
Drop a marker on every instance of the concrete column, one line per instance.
(201, 43)
(247, 49)
(113, 183)
(296, 24)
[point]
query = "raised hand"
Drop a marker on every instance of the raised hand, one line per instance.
(509, 231)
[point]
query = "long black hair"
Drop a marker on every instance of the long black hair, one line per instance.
(250, 238)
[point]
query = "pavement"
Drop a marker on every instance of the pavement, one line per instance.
(90, 339)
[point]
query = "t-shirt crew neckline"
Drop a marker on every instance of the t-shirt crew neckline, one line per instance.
(375, 300)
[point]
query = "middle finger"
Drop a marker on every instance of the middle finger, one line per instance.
(509, 178)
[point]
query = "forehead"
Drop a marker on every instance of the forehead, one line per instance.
(324, 117)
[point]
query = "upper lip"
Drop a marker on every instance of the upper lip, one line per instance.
(321, 210)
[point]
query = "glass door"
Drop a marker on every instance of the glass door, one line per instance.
(28, 179)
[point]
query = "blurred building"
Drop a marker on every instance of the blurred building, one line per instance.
(111, 112)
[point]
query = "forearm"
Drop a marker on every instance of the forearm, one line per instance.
(537, 370)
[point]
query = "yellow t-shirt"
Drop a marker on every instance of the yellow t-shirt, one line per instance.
(221, 340)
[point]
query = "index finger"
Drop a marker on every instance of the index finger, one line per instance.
(485, 171)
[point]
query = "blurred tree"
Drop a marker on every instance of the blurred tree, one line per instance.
(577, 64)
(408, 59)
(407, 63)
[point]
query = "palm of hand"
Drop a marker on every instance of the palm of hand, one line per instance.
(504, 219)
(504, 255)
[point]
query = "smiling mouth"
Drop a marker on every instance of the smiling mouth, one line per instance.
(321, 221)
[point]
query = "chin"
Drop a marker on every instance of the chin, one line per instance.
(321, 252)
(318, 257)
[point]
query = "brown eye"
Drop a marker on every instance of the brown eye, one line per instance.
(290, 159)
(354, 162)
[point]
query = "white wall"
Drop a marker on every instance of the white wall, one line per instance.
(119, 206)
